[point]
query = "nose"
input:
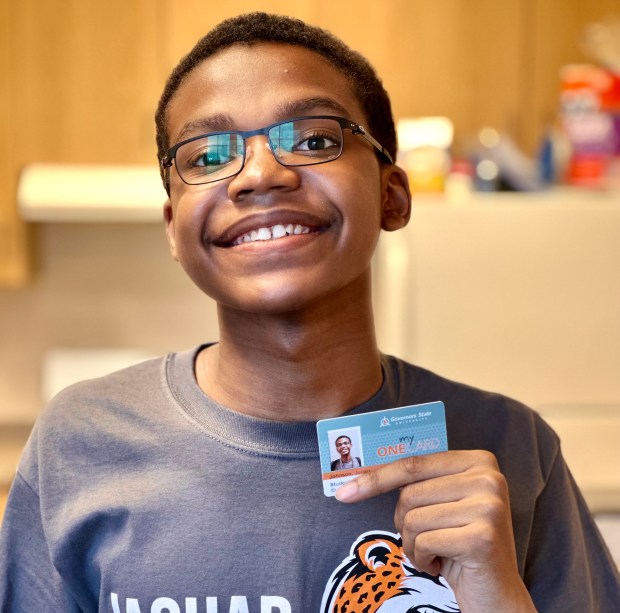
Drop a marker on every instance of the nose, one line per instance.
(262, 173)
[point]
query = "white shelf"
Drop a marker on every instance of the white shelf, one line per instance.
(560, 197)
(90, 193)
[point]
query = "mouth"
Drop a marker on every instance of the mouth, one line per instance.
(274, 226)
(272, 233)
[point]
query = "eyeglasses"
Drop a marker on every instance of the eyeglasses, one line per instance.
(302, 141)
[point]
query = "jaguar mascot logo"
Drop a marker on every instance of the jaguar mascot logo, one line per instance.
(377, 577)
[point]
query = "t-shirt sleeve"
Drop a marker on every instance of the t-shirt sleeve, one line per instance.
(568, 566)
(28, 579)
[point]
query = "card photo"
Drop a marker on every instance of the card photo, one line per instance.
(345, 448)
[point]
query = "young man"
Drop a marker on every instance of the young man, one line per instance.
(346, 460)
(192, 483)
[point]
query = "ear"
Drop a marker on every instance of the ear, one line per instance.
(170, 233)
(377, 551)
(396, 198)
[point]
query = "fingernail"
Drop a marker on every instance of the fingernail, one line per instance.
(346, 492)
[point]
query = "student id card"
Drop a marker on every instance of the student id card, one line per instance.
(353, 444)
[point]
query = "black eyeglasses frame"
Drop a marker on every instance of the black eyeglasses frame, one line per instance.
(346, 124)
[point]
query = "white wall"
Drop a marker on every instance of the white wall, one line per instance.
(515, 294)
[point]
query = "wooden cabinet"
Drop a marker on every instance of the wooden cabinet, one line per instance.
(80, 82)
(14, 260)
(80, 79)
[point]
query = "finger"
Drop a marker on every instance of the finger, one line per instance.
(433, 549)
(478, 510)
(473, 545)
(437, 517)
(480, 484)
(412, 469)
(480, 527)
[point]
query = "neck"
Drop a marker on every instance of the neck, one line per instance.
(345, 458)
(300, 366)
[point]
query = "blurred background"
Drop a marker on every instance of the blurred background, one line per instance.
(508, 276)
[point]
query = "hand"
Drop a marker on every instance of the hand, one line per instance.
(453, 515)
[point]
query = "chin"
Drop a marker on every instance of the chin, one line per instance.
(280, 304)
(289, 292)
(272, 298)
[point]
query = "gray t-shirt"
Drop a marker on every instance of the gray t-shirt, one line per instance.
(138, 494)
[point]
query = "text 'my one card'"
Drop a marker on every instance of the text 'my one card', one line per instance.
(352, 444)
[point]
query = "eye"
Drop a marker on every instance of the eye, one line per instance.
(208, 154)
(211, 157)
(317, 142)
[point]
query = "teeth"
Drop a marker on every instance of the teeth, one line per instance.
(277, 231)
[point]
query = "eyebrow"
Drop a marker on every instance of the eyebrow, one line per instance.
(221, 122)
(305, 106)
(214, 123)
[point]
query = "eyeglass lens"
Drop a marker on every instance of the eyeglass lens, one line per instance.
(299, 142)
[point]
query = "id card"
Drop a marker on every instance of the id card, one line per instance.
(353, 444)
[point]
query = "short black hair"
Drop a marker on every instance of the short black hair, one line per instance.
(343, 436)
(264, 27)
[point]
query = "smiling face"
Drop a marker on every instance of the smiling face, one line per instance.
(343, 446)
(273, 239)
